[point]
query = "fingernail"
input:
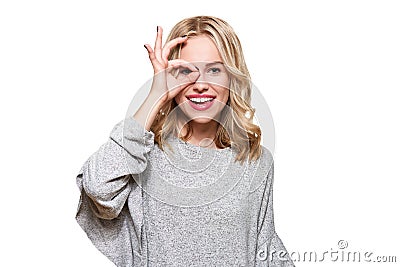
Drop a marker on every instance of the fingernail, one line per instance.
(145, 46)
(183, 36)
(157, 28)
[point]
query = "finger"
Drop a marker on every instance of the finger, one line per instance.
(175, 86)
(152, 56)
(180, 62)
(193, 76)
(150, 52)
(158, 43)
(153, 60)
(174, 65)
(168, 46)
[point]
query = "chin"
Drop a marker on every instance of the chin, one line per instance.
(202, 120)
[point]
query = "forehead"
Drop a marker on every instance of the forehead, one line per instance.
(200, 48)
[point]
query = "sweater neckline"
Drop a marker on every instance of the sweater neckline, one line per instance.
(193, 147)
(194, 153)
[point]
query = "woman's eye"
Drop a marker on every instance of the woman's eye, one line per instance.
(185, 71)
(214, 70)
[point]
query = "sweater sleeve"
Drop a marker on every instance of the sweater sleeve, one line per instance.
(113, 224)
(106, 175)
(268, 248)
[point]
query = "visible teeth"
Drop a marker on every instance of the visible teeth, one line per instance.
(200, 100)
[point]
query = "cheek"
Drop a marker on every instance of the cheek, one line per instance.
(224, 90)
(179, 98)
(224, 94)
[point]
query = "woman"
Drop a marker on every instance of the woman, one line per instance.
(209, 202)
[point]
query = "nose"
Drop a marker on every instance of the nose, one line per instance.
(200, 86)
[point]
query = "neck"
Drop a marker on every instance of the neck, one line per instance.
(203, 134)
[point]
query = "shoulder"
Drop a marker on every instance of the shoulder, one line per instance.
(261, 169)
(267, 157)
(265, 161)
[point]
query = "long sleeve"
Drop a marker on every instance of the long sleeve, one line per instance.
(268, 248)
(106, 183)
(106, 175)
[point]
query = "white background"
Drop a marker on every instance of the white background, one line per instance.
(329, 71)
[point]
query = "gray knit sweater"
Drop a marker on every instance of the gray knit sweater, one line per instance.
(142, 206)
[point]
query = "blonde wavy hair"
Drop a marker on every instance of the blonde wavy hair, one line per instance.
(237, 129)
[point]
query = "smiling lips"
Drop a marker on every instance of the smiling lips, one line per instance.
(201, 101)
(200, 98)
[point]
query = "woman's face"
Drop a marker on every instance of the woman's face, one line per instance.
(211, 83)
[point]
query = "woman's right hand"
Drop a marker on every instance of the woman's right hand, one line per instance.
(165, 86)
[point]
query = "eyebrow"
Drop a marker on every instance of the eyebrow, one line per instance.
(214, 62)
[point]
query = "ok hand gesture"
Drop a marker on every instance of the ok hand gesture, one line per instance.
(166, 82)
